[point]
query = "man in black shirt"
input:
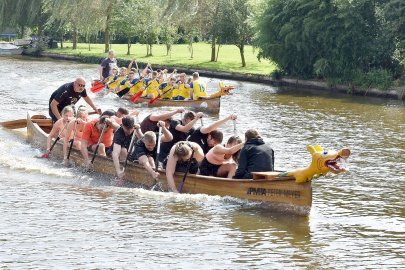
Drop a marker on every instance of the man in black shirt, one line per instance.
(209, 136)
(121, 142)
(68, 94)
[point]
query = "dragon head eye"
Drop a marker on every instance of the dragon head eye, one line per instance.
(324, 153)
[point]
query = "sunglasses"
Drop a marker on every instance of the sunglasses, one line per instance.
(131, 73)
(81, 85)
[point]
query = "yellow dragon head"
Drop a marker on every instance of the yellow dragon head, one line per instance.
(323, 162)
(223, 90)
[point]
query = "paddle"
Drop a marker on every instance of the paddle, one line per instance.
(72, 140)
(139, 74)
(135, 97)
(235, 132)
(98, 143)
(46, 155)
(97, 87)
(158, 148)
(131, 146)
(187, 169)
(154, 99)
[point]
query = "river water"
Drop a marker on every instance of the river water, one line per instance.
(59, 218)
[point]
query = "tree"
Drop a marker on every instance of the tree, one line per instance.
(332, 39)
(125, 20)
(21, 13)
(238, 28)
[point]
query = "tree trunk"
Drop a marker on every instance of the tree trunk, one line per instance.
(191, 50)
(61, 40)
(129, 46)
(74, 38)
(213, 49)
(216, 58)
(147, 49)
(22, 32)
(168, 48)
(88, 41)
(150, 51)
(107, 27)
(242, 53)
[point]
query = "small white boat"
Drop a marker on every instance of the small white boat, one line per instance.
(10, 49)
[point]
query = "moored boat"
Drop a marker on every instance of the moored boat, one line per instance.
(209, 105)
(10, 49)
(280, 193)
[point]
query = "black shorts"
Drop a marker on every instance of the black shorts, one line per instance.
(208, 169)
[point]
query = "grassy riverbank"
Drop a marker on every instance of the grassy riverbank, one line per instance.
(228, 60)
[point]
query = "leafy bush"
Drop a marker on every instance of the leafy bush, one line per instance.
(376, 78)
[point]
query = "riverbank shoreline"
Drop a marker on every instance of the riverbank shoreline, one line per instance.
(397, 93)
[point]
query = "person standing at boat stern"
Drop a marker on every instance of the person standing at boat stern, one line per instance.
(69, 94)
(255, 156)
(107, 65)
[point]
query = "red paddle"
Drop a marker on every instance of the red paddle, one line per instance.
(97, 87)
(159, 96)
(135, 97)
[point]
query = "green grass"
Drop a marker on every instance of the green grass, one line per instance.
(229, 58)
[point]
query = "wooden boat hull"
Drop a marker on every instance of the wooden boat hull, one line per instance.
(209, 105)
(281, 194)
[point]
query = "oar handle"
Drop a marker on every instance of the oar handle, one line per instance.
(158, 148)
(139, 74)
(98, 143)
(235, 132)
(130, 148)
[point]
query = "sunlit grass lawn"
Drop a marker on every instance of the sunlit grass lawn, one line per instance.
(228, 60)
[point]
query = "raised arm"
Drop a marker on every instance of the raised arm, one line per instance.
(170, 169)
(167, 135)
(217, 124)
(219, 149)
(165, 116)
(190, 124)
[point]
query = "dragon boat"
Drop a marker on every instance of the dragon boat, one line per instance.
(281, 191)
(208, 105)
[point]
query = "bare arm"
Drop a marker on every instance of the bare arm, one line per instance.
(165, 116)
(219, 149)
(217, 124)
(167, 135)
(116, 158)
(139, 133)
(101, 73)
(198, 152)
(54, 109)
(69, 130)
(190, 124)
(144, 161)
(90, 102)
(85, 153)
(53, 134)
(170, 169)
